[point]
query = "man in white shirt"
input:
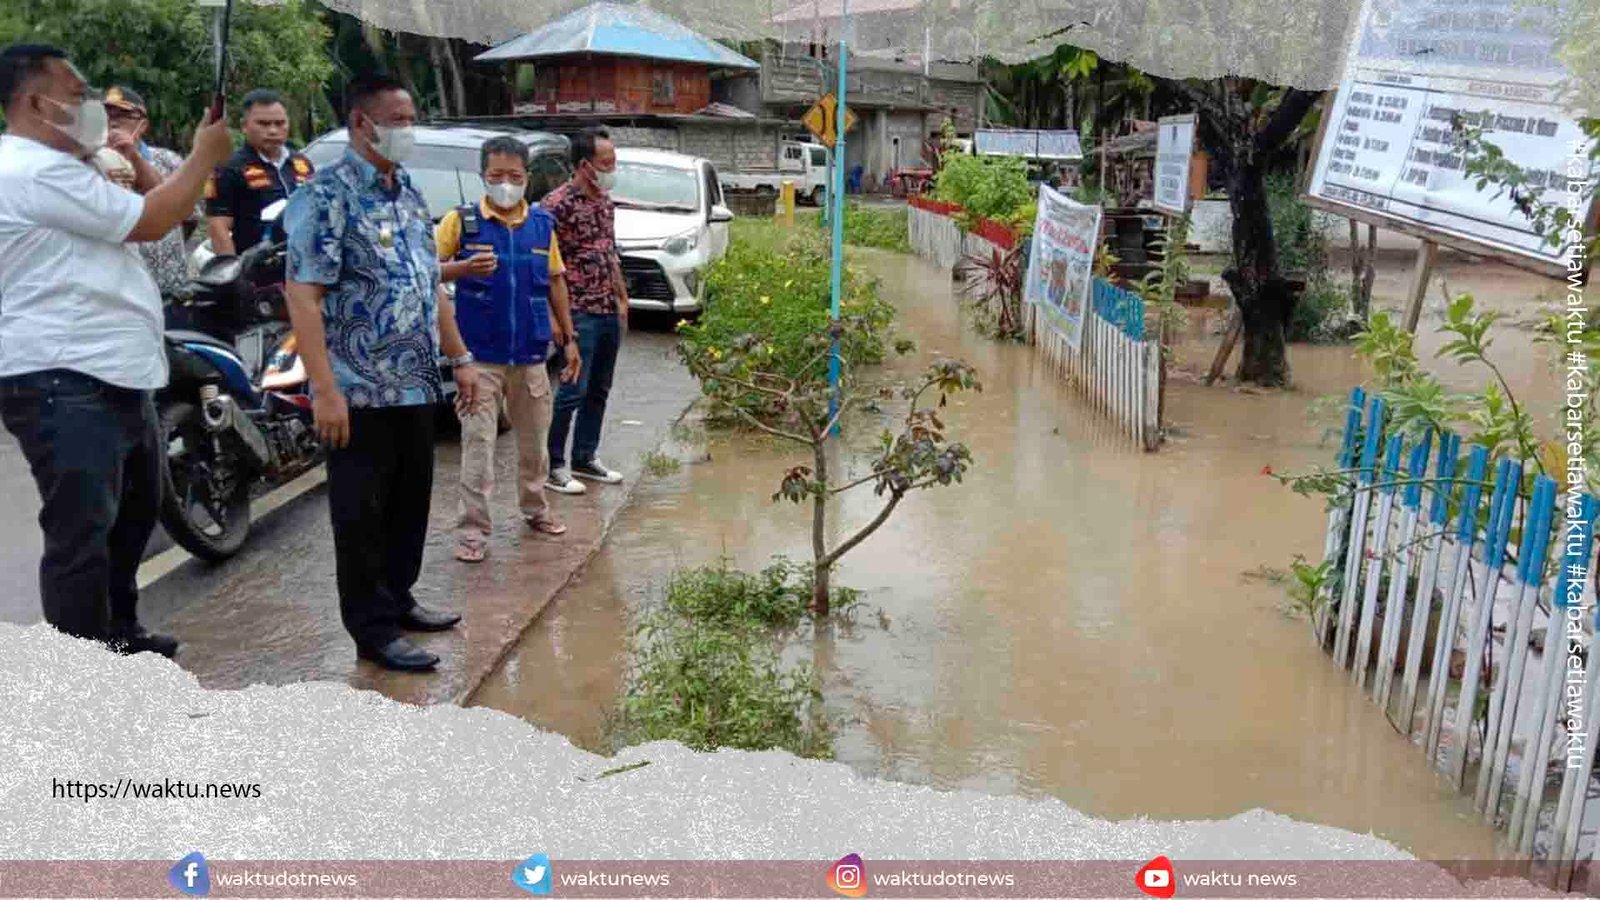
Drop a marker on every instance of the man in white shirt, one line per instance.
(81, 350)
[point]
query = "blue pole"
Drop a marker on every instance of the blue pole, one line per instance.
(838, 219)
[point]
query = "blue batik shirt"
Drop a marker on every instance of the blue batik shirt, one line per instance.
(373, 249)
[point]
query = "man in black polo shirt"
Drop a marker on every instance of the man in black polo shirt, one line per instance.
(266, 169)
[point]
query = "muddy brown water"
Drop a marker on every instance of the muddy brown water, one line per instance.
(1072, 621)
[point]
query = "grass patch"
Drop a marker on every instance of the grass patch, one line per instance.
(708, 687)
(660, 465)
(707, 665)
(880, 228)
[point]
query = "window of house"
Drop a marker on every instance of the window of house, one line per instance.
(662, 90)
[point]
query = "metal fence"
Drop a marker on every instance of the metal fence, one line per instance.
(1454, 581)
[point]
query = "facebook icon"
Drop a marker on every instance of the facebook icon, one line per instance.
(189, 876)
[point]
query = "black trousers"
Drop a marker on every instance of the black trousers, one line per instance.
(380, 488)
(96, 457)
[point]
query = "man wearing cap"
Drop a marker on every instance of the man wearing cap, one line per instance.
(129, 119)
(265, 170)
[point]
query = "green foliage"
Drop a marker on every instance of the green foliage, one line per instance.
(881, 229)
(708, 686)
(1303, 250)
(660, 465)
(1160, 287)
(162, 48)
(1306, 584)
(719, 595)
(789, 396)
(707, 666)
(1318, 310)
(990, 187)
(775, 292)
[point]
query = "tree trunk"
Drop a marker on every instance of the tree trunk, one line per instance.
(439, 79)
(1265, 300)
(458, 84)
(820, 567)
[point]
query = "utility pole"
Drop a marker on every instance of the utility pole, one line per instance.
(834, 363)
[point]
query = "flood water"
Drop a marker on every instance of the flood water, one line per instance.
(1072, 621)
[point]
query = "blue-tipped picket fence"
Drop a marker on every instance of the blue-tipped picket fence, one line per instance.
(1117, 366)
(1452, 588)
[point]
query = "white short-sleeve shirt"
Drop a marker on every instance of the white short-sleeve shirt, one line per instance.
(73, 294)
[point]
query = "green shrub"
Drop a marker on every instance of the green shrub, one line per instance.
(779, 296)
(1319, 309)
(718, 595)
(1302, 248)
(707, 686)
(881, 229)
(991, 187)
(1303, 251)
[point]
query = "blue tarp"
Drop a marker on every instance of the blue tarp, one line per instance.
(618, 29)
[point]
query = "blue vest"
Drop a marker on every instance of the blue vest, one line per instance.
(505, 318)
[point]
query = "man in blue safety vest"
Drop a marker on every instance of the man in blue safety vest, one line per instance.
(511, 300)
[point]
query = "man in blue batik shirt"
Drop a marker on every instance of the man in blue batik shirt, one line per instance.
(369, 318)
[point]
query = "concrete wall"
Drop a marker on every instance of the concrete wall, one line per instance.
(731, 146)
(656, 138)
(743, 91)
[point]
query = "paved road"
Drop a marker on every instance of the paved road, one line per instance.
(270, 615)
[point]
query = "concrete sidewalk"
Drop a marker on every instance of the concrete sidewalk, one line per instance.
(271, 615)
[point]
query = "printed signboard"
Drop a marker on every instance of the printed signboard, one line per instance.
(1174, 150)
(1418, 72)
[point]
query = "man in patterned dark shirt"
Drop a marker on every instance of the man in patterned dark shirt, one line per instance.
(370, 320)
(586, 231)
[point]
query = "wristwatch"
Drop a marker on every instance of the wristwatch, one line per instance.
(465, 359)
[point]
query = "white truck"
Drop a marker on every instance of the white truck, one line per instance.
(803, 163)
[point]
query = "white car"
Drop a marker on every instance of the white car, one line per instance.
(671, 225)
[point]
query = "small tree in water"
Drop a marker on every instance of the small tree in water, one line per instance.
(793, 403)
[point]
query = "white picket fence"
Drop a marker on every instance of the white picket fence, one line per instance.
(1117, 367)
(1541, 705)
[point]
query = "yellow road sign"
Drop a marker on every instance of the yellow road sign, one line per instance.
(823, 116)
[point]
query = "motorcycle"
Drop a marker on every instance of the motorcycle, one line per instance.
(232, 419)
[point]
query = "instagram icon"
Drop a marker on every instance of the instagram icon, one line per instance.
(848, 877)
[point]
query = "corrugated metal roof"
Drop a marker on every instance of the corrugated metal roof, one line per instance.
(618, 29)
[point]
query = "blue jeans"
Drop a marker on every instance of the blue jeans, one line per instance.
(599, 339)
(96, 456)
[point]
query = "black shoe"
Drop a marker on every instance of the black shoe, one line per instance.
(421, 618)
(595, 470)
(400, 655)
(141, 641)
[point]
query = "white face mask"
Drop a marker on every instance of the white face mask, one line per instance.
(394, 142)
(505, 195)
(605, 180)
(89, 127)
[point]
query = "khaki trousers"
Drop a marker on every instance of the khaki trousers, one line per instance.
(526, 391)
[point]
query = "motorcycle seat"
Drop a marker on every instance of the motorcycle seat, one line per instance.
(181, 336)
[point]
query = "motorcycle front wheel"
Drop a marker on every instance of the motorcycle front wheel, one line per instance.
(205, 501)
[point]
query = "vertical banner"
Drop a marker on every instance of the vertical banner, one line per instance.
(1061, 264)
(1174, 151)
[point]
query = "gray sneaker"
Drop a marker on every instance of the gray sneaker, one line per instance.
(563, 483)
(595, 470)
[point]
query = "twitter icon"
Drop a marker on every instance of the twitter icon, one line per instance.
(533, 874)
